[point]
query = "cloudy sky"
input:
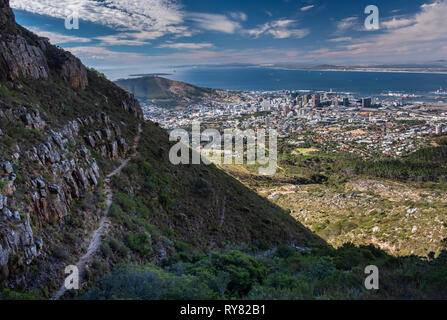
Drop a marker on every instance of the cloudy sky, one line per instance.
(120, 37)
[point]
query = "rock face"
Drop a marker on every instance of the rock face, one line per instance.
(68, 176)
(40, 183)
(74, 72)
(6, 15)
(22, 59)
(23, 53)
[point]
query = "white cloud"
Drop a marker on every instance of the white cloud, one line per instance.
(346, 23)
(424, 38)
(306, 8)
(58, 38)
(162, 16)
(239, 16)
(95, 56)
(428, 5)
(186, 45)
(279, 29)
(214, 22)
(122, 39)
(341, 39)
(397, 23)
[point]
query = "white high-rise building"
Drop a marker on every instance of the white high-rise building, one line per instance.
(266, 105)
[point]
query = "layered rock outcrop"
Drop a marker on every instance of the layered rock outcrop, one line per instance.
(23, 53)
(39, 183)
(63, 171)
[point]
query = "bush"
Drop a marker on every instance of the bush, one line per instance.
(3, 184)
(61, 253)
(125, 202)
(201, 187)
(119, 183)
(140, 242)
(115, 211)
(106, 251)
(244, 270)
(165, 199)
(7, 294)
(149, 283)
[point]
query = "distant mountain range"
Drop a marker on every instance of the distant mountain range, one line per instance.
(164, 91)
(438, 66)
(432, 67)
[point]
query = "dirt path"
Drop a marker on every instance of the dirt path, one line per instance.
(222, 217)
(95, 241)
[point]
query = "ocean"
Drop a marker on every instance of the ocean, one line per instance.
(269, 79)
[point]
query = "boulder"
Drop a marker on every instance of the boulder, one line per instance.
(39, 243)
(40, 183)
(7, 213)
(7, 167)
(54, 188)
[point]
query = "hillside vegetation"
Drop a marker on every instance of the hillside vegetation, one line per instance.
(397, 204)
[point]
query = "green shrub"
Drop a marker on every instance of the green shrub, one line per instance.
(115, 211)
(149, 283)
(125, 202)
(140, 242)
(7, 294)
(3, 184)
(165, 199)
(201, 187)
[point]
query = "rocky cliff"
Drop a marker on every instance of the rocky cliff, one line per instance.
(40, 179)
(24, 54)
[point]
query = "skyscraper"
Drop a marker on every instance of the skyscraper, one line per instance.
(315, 100)
(366, 102)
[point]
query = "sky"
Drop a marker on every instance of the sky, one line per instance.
(121, 37)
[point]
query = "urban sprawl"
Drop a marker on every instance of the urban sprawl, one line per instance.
(391, 125)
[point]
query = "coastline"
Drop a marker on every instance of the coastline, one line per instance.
(361, 70)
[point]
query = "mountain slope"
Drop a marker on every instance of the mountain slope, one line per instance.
(164, 91)
(64, 128)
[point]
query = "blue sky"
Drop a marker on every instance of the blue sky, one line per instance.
(120, 37)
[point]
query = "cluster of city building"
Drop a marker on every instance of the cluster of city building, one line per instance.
(331, 121)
